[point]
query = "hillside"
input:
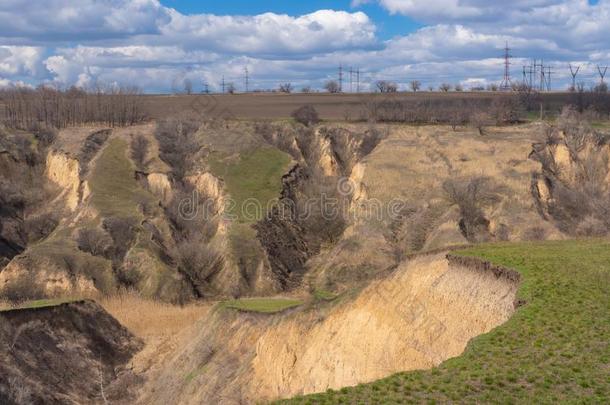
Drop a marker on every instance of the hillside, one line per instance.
(555, 348)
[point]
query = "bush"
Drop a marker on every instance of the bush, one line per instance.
(39, 227)
(94, 241)
(199, 263)
(23, 288)
(470, 195)
(306, 115)
(179, 143)
(139, 151)
(123, 234)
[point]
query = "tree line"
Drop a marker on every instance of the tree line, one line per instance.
(49, 107)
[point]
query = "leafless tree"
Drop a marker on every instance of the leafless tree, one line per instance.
(286, 88)
(332, 86)
(470, 195)
(306, 89)
(54, 108)
(445, 87)
(480, 120)
(415, 85)
(458, 87)
(385, 86)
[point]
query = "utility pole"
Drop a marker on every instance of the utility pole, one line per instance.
(506, 82)
(358, 80)
(340, 78)
(574, 72)
(247, 79)
(206, 88)
(223, 84)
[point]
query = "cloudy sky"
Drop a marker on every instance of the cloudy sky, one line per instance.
(157, 44)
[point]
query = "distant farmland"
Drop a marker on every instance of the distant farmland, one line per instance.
(330, 106)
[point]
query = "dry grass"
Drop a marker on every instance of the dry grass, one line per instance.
(149, 318)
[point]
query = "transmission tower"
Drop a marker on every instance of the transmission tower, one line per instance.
(340, 78)
(574, 72)
(358, 80)
(247, 78)
(223, 84)
(506, 82)
(351, 80)
(602, 72)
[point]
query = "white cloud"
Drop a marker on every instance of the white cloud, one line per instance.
(145, 43)
(20, 60)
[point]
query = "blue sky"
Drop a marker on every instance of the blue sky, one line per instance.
(159, 44)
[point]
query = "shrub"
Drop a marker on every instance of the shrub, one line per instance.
(199, 263)
(534, 233)
(179, 143)
(306, 115)
(470, 195)
(123, 234)
(23, 288)
(94, 241)
(40, 227)
(139, 151)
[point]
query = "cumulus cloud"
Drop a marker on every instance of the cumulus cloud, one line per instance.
(145, 43)
(20, 60)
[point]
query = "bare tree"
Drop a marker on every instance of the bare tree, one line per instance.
(445, 87)
(286, 88)
(53, 108)
(385, 86)
(332, 86)
(458, 87)
(470, 195)
(415, 85)
(480, 120)
(306, 89)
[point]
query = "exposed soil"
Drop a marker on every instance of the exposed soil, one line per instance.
(69, 353)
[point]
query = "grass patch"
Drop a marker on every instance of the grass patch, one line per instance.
(39, 304)
(323, 295)
(556, 348)
(255, 177)
(115, 191)
(262, 305)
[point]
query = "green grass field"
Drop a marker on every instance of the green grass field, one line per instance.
(555, 348)
(255, 177)
(262, 305)
(115, 191)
